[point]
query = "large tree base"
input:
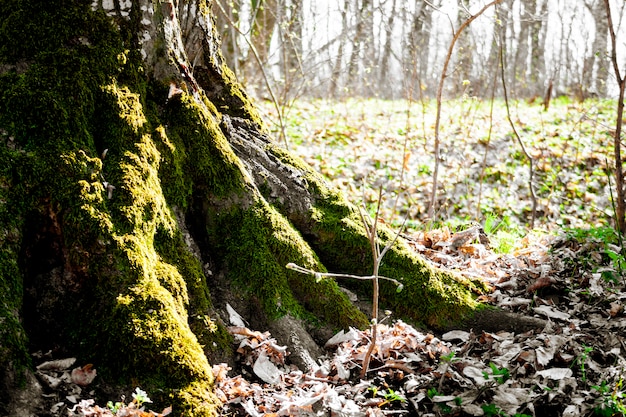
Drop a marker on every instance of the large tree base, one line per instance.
(130, 179)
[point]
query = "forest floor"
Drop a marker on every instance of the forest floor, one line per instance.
(568, 269)
(361, 145)
(566, 266)
(573, 366)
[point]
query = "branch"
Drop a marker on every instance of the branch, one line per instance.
(320, 275)
(533, 197)
(431, 207)
(258, 60)
(617, 144)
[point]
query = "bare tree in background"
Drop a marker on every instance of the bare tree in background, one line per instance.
(228, 33)
(465, 53)
(526, 78)
(620, 204)
(417, 47)
(387, 47)
(384, 75)
(263, 22)
(596, 66)
(337, 64)
(361, 61)
(538, 29)
(289, 31)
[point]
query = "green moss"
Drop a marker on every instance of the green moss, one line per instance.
(336, 233)
(237, 103)
(213, 337)
(158, 278)
(173, 172)
(259, 243)
(13, 339)
(157, 345)
(210, 161)
(73, 88)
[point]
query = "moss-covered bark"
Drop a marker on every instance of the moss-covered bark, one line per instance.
(124, 172)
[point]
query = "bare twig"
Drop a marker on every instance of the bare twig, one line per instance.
(533, 197)
(487, 144)
(371, 230)
(620, 211)
(444, 71)
(321, 275)
(281, 122)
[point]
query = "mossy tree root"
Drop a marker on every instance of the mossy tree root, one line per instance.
(103, 254)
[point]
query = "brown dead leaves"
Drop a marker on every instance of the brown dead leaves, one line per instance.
(400, 350)
(554, 371)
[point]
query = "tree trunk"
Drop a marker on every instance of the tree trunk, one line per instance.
(262, 27)
(385, 76)
(139, 192)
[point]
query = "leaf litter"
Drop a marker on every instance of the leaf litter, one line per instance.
(572, 283)
(572, 366)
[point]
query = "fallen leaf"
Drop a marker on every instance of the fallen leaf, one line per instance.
(57, 365)
(83, 376)
(266, 370)
(555, 374)
(551, 313)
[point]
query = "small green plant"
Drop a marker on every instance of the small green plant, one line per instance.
(611, 400)
(500, 375)
(115, 407)
(432, 392)
(140, 397)
(449, 358)
(608, 237)
(581, 360)
(389, 396)
(119, 408)
(503, 236)
(619, 263)
(492, 410)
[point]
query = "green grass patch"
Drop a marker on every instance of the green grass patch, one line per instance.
(482, 170)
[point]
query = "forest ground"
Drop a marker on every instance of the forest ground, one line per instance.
(483, 171)
(567, 271)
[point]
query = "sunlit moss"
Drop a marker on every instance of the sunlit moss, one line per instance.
(62, 107)
(336, 233)
(259, 243)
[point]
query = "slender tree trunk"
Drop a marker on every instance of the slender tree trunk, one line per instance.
(335, 77)
(523, 51)
(228, 34)
(620, 204)
(263, 25)
(596, 65)
(464, 55)
(290, 30)
(538, 30)
(359, 61)
(416, 47)
(384, 73)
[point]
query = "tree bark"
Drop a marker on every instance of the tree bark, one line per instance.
(137, 181)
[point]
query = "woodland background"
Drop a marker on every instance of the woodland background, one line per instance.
(300, 59)
(396, 49)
